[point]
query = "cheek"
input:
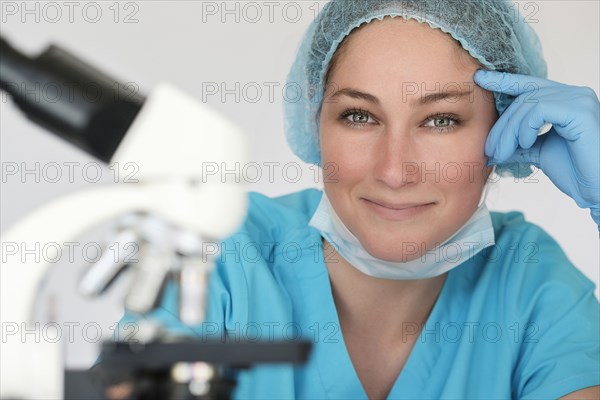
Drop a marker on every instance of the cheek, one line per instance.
(459, 161)
(344, 159)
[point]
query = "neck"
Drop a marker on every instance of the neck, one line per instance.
(385, 305)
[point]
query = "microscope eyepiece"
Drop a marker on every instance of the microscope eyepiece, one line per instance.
(69, 97)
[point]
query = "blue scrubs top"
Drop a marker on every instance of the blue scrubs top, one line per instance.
(518, 320)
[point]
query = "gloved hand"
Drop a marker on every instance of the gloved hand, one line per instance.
(569, 153)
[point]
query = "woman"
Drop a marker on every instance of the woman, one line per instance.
(406, 284)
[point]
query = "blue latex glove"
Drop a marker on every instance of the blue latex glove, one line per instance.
(569, 154)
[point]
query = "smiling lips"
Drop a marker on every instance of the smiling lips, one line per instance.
(396, 211)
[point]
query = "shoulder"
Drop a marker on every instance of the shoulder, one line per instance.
(299, 204)
(271, 227)
(530, 255)
(525, 276)
(274, 214)
(533, 284)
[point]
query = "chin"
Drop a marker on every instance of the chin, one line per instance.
(399, 249)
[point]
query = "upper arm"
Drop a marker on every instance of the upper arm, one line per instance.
(557, 298)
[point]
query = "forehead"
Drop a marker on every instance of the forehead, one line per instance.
(403, 50)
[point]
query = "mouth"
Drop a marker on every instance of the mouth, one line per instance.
(397, 211)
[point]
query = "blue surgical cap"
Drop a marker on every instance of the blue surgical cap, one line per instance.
(491, 31)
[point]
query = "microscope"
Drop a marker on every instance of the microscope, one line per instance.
(171, 212)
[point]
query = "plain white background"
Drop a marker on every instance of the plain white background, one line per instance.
(244, 50)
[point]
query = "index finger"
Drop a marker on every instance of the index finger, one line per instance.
(511, 84)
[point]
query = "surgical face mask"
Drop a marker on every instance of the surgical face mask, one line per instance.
(475, 235)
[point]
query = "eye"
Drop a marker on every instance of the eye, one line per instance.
(444, 122)
(356, 118)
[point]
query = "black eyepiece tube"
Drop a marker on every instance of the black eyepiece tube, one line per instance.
(70, 98)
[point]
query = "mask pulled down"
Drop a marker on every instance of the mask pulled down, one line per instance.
(474, 236)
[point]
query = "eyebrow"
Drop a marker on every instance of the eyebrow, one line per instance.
(429, 98)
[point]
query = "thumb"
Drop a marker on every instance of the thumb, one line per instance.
(524, 156)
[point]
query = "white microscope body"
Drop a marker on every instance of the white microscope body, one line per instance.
(169, 140)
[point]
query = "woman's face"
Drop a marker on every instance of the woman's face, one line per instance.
(402, 173)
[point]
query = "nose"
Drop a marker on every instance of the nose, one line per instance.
(395, 162)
